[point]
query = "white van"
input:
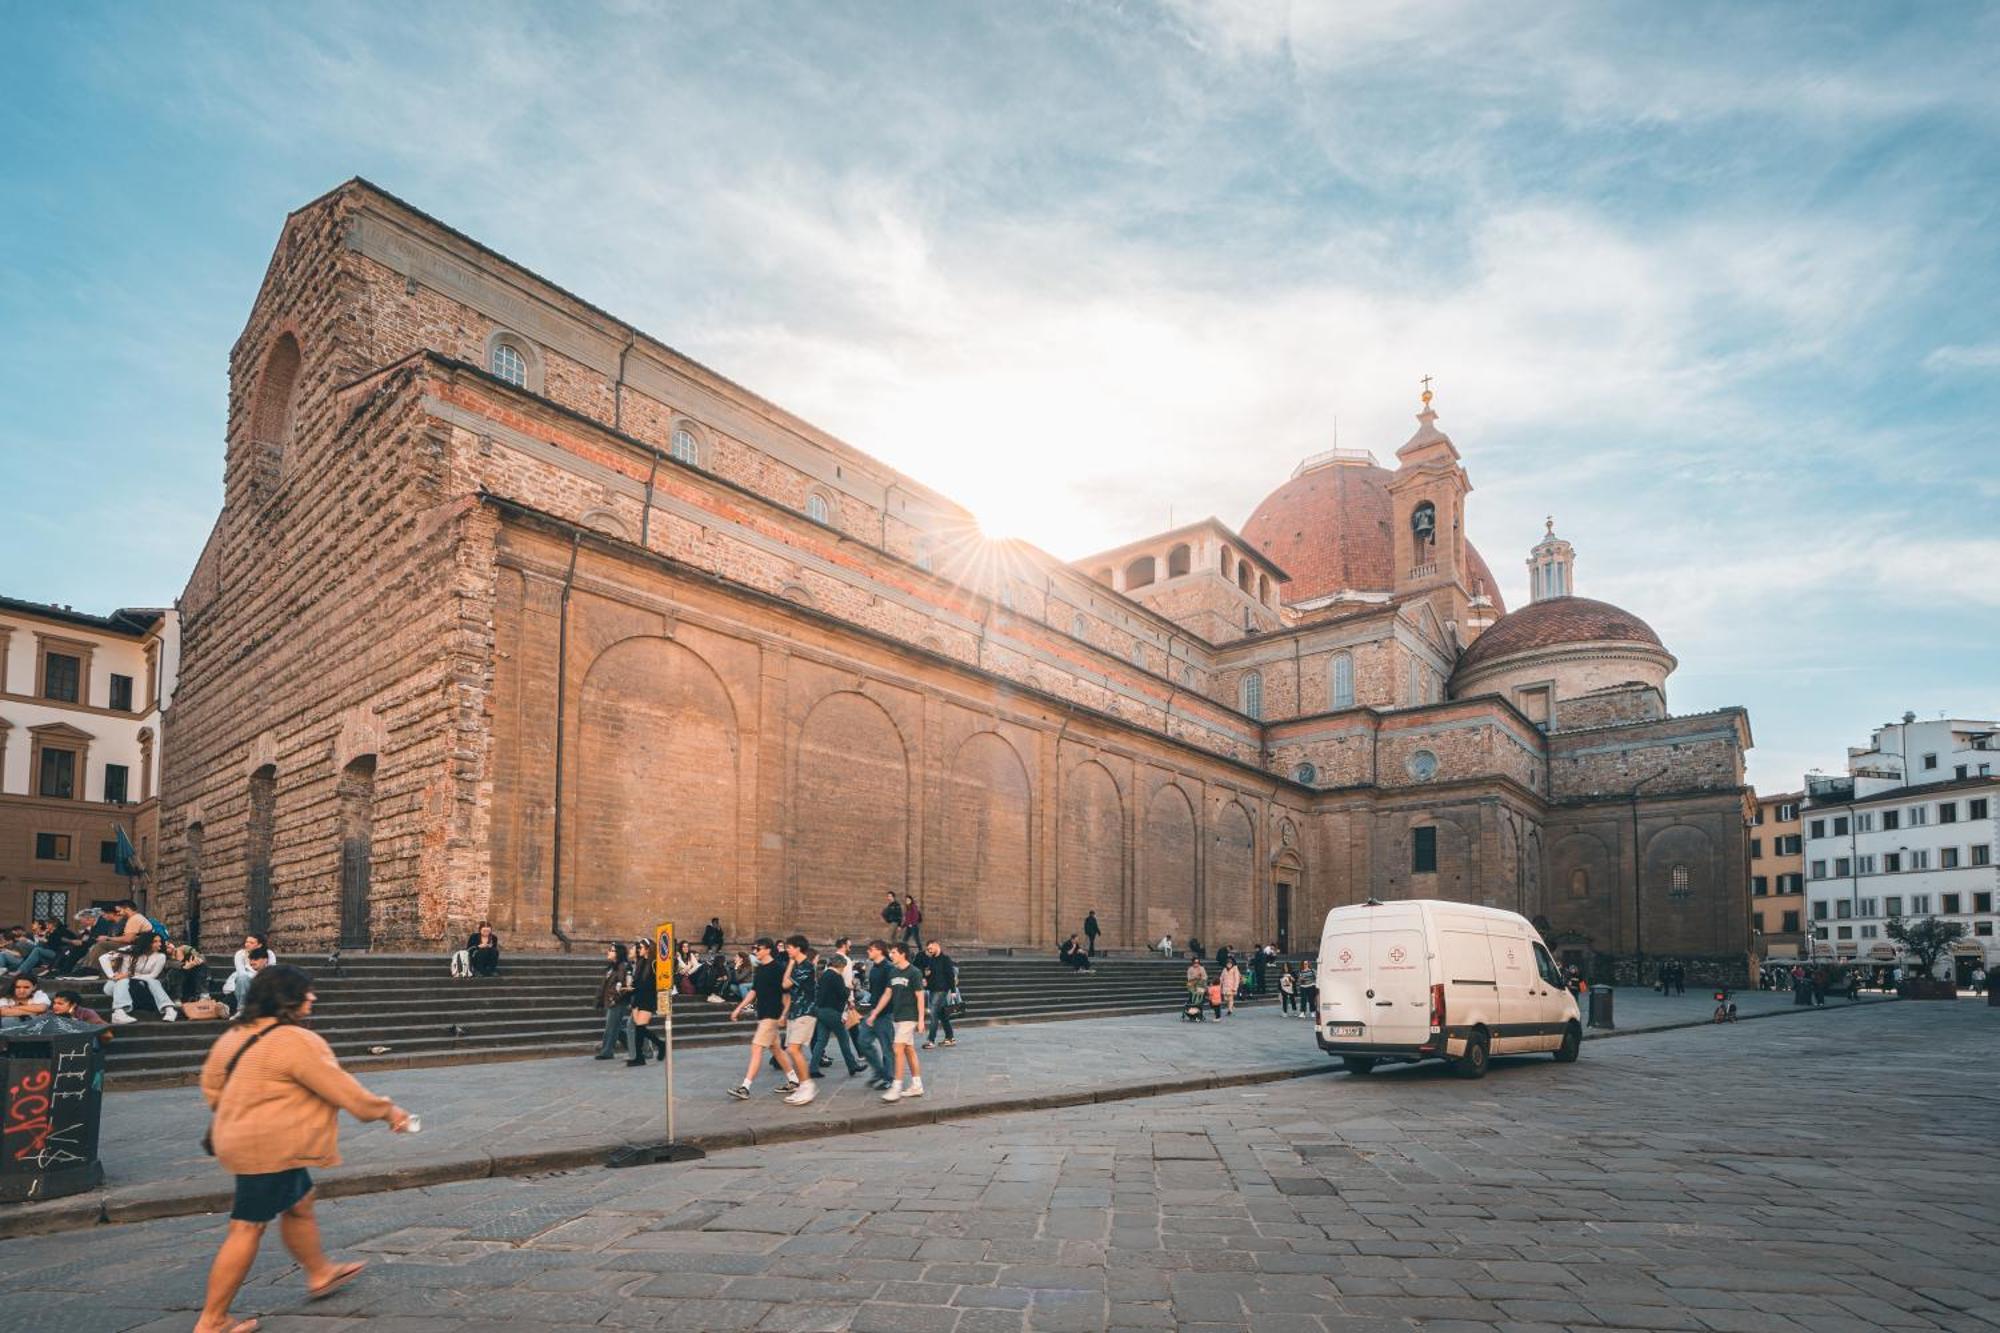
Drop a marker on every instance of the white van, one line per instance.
(1424, 979)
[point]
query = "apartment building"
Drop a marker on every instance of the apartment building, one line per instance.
(1777, 876)
(1910, 831)
(80, 703)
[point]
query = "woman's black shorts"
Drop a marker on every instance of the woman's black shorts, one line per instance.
(261, 1198)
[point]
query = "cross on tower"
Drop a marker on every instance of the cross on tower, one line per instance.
(1427, 390)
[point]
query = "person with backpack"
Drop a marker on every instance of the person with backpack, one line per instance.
(1091, 931)
(913, 920)
(892, 913)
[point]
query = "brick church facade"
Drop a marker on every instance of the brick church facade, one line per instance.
(513, 613)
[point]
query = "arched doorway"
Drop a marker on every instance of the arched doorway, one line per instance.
(1288, 874)
(357, 850)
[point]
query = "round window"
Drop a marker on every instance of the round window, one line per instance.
(1306, 774)
(1423, 765)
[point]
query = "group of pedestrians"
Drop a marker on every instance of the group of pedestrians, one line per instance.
(1298, 991)
(628, 995)
(873, 1006)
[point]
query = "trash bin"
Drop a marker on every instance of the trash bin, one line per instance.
(50, 1104)
(1600, 1007)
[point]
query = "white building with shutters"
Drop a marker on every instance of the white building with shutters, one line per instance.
(1910, 831)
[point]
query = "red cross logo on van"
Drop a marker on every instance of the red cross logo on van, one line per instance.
(1396, 954)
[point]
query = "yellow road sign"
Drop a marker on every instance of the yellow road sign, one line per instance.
(663, 963)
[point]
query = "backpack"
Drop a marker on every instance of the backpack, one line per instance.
(893, 914)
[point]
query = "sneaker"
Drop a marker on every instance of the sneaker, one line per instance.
(169, 1014)
(786, 1089)
(894, 1094)
(929, 1044)
(916, 1088)
(741, 1092)
(717, 999)
(807, 1091)
(951, 1041)
(122, 1016)
(879, 1084)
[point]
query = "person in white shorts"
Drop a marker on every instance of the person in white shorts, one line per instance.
(766, 998)
(799, 985)
(903, 997)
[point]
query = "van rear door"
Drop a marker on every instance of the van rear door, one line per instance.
(1345, 1011)
(1399, 975)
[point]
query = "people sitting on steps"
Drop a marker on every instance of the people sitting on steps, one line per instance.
(22, 1001)
(241, 973)
(128, 923)
(250, 960)
(143, 961)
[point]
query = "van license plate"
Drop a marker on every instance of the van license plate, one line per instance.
(1346, 1029)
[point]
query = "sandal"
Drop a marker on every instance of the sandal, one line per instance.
(242, 1326)
(343, 1274)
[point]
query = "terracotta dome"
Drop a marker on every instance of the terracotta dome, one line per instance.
(1328, 527)
(1555, 621)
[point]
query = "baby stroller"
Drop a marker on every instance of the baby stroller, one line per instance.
(1191, 1012)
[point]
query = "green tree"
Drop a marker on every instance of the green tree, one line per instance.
(1928, 939)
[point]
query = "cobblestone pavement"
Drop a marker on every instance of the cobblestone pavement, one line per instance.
(525, 1115)
(1826, 1174)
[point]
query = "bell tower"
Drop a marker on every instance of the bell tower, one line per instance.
(1427, 503)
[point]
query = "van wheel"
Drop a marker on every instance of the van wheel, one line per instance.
(1572, 1043)
(1359, 1064)
(1473, 1063)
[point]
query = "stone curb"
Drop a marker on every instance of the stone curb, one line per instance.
(145, 1202)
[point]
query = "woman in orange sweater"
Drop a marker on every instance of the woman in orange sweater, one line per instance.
(276, 1089)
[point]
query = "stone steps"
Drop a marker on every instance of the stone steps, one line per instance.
(541, 1006)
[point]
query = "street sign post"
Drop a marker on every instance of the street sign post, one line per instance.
(673, 1150)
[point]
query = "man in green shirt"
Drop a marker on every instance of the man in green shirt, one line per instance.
(903, 997)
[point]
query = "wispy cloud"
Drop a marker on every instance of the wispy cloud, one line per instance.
(1958, 356)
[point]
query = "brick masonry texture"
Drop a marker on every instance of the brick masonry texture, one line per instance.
(576, 685)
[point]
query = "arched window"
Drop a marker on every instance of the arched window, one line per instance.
(1077, 625)
(272, 418)
(687, 449)
(1253, 694)
(1243, 572)
(507, 363)
(1264, 589)
(1228, 563)
(1140, 572)
(1138, 653)
(1340, 681)
(1679, 882)
(816, 508)
(1179, 560)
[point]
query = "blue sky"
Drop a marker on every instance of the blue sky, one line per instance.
(1713, 284)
